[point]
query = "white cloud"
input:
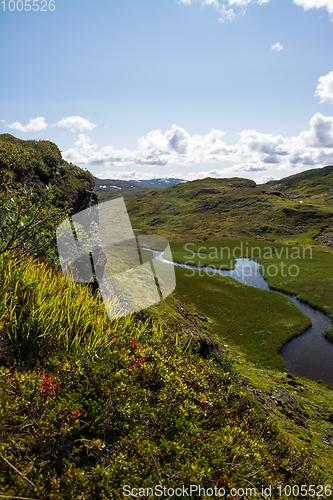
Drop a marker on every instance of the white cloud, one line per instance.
(278, 46)
(321, 133)
(230, 14)
(325, 88)
(254, 151)
(75, 122)
(315, 4)
(222, 6)
(34, 125)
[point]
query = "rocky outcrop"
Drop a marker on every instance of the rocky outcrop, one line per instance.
(326, 238)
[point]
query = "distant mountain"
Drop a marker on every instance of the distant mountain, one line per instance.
(297, 208)
(107, 189)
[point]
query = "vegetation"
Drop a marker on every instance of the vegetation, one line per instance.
(216, 209)
(90, 405)
(313, 282)
(38, 164)
(259, 323)
(189, 391)
(28, 223)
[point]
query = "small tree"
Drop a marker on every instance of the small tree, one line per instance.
(28, 223)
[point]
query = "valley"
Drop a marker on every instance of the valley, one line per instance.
(192, 389)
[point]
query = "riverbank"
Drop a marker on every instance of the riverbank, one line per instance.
(307, 354)
(301, 408)
(305, 272)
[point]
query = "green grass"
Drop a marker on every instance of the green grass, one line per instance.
(38, 164)
(329, 334)
(257, 322)
(314, 407)
(313, 283)
(215, 209)
(241, 318)
(200, 255)
(88, 405)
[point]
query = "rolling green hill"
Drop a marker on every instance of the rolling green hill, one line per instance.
(298, 208)
(317, 181)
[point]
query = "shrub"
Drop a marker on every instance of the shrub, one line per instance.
(28, 223)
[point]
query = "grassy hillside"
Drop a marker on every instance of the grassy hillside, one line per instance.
(316, 180)
(39, 163)
(214, 209)
(188, 391)
(89, 405)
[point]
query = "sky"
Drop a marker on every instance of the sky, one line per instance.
(140, 89)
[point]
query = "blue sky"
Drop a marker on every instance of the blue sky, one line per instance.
(187, 88)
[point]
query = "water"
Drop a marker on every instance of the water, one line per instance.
(308, 355)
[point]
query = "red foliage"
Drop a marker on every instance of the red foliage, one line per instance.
(49, 387)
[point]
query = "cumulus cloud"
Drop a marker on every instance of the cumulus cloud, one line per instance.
(223, 6)
(315, 4)
(254, 151)
(325, 88)
(277, 46)
(75, 122)
(34, 125)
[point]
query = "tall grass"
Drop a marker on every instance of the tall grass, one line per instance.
(38, 304)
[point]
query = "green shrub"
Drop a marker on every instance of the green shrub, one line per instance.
(329, 334)
(28, 223)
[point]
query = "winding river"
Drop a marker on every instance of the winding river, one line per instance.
(308, 355)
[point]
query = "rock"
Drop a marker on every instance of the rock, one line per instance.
(201, 205)
(326, 238)
(155, 221)
(201, 317)
(291, 380)
(288, 405)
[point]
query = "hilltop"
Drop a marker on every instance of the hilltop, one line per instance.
(316, 180)
(39, 163)
(297, 208)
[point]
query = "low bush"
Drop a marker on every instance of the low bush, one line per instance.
(28, 223)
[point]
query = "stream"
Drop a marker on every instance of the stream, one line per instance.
(308, 355)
